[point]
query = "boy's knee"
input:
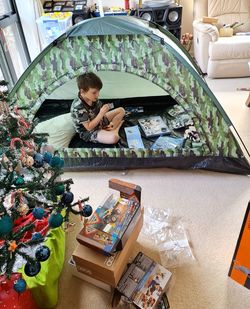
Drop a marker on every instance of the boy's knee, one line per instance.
(121, 111)
(115, 139)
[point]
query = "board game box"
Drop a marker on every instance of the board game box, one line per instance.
(153, 126)
(109, 227)
(144, 282)
(107, 269)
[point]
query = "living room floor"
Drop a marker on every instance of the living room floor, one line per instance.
(211, 205)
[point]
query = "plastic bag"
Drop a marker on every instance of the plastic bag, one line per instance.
(169, 235)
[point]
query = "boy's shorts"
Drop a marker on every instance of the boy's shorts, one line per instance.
(90, 136)
(93, 136)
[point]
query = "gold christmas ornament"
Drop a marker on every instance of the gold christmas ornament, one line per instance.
(23, 209)
(29, 161)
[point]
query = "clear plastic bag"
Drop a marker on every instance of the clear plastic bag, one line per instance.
(169, 236)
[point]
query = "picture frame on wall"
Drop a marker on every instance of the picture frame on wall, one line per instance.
(69, 4)
(59, 3)
(48, 4)
(78, 7)
(57, 8)
(68, 9)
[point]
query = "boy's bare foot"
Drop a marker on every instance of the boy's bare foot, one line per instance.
(111, 126)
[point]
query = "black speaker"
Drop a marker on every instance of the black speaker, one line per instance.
(173, 15)
(169, 16)
(79, 16)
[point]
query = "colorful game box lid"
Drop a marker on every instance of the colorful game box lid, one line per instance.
(111, 224)
(153, 126)
(144, 282)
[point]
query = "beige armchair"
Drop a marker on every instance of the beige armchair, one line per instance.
(218, 56)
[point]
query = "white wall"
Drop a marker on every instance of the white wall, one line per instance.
(187, 17)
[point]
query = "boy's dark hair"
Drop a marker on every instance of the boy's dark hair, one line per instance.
(89, 80)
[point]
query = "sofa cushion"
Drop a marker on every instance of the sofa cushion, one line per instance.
(235, 47)
(229, 11)
(60, 130)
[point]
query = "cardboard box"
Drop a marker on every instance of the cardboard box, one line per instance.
(107, 269)
(226, 32)
(95, 282)
(144, 282)
(240, 266)
(209, 20)
(111, 224)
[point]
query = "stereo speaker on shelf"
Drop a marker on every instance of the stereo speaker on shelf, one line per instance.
(80, 15)
(169, 17)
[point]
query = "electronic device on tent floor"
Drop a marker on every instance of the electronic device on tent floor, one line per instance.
(79, 9)
(240, 266)
(110, 226)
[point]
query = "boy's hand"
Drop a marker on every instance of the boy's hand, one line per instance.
(104, 109)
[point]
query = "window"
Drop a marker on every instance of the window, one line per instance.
(5, 7)
(1, 75)
(13, 50)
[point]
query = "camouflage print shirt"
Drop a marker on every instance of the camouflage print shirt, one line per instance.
(81, 112)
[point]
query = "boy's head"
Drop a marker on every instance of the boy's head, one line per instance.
(89, 85)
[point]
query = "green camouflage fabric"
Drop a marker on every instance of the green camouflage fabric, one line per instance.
(147, 57)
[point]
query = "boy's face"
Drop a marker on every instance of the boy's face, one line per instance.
(92, 94)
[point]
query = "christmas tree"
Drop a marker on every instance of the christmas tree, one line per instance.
(33, 197)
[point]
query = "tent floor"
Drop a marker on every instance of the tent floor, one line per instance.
(76, 142)
(151, 106)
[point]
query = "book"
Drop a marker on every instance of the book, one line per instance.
(153, 126)
(110, 225)
(133, 136)
(144, 282)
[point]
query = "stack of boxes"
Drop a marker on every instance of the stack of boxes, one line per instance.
(108, 238)
(106, 243)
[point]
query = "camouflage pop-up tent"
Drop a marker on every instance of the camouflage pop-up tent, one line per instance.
(144, 66)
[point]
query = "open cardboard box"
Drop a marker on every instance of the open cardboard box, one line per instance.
(226, 32)
(209, 20)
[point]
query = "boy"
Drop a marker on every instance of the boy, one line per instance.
(92, 119)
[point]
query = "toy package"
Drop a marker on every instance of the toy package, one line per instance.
(153, 126)
(111, 224)
(240, 266)
(134, 137)
(144, 282)
(168, 142)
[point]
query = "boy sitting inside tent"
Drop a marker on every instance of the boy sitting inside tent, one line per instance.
(93, 120)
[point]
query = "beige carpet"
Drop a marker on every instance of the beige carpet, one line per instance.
(212, 206)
